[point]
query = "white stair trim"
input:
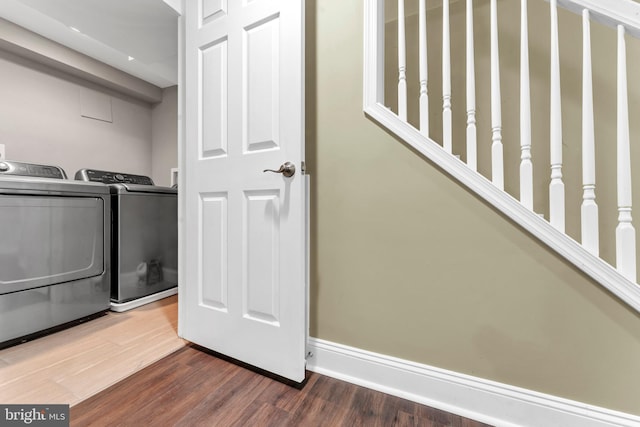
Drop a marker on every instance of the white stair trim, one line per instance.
(593, 266)
(609, 12)
(471, 397)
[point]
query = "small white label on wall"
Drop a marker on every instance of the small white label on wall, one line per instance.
(174, 176)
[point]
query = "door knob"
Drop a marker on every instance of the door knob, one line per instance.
(288, 169)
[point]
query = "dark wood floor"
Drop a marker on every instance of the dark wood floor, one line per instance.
(195, 388)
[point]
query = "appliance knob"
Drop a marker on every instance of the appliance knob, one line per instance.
(119, 177)
(4, 167)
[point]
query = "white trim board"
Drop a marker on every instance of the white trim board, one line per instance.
(471, 397)
(119, 307)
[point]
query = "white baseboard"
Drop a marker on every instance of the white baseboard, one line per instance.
(476, 398)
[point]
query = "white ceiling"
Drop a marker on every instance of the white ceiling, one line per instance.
(111, 31)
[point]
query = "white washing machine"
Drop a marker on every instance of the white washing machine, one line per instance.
(144, 256)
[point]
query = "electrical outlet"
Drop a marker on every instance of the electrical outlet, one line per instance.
(2, 153)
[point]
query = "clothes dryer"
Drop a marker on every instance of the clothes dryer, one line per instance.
(55, 250)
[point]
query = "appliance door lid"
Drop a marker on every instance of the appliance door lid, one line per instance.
(137, 188)
(46, 240)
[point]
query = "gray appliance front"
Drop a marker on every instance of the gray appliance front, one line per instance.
(52, 261)
(47, 240)
(145, 247)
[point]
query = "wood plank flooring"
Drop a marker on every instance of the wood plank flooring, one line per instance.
(71, 365)
(193, 387)
(105, 370)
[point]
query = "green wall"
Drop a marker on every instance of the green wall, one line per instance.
(407, 262)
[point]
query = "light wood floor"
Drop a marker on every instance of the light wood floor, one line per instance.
(71, 365)
(98, 368)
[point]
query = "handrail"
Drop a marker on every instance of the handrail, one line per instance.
(621, 279)
(609, 12)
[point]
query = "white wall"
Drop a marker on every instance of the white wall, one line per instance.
(164, 136)
(40, 121)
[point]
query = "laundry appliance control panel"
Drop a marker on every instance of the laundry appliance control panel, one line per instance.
(31, 169)
(107, 177)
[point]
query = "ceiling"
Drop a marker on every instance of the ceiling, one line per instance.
(139, 37)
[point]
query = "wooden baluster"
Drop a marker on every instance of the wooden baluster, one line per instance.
(497, 170)
(625, 233)
(446, 79)
(556, 187)
(589, 210)
(526, 166)
(472, 149)
(424, 95)
(402, 64)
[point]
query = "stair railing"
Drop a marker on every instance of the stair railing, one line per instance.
(624, 17)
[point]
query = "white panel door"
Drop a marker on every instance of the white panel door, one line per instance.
(245, 250)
